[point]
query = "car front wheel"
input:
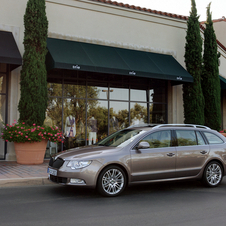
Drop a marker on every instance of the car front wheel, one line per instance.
(112, 181)
(213, 174)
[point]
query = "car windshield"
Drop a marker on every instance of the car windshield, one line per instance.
(120, 138)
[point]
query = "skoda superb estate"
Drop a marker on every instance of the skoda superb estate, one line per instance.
(143, 154)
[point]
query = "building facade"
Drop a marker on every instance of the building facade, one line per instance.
(110, 65)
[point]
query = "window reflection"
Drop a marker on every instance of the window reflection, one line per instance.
(119, 94)
(97, 92)
(2, 84)
(53, 118)
(159, 139)
(200, 139)
(138, 95)
(158, 95)
(54, 89)
(119, 116)
(138, 113)
(186, 138)
(213, 139)
(74, 122)
(72, 90)
(158, 113)
(83, 107)
(97, 121)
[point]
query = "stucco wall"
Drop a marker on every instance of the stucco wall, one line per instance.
(100, 23)
(220, 29)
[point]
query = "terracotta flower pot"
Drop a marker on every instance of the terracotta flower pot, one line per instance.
(30, 153)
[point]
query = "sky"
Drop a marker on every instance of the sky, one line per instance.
(182, 7)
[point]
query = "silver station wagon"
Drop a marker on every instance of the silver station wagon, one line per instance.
(143, 154)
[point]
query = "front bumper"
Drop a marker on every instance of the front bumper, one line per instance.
(76, 177)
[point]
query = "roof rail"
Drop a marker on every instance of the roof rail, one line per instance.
(143, 125)
(183, 125)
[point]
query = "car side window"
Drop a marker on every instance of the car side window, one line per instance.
(200, 139)
(213, 139)
(186, 137)
(159, 139)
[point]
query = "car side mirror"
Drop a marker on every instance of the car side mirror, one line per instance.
(143, 145)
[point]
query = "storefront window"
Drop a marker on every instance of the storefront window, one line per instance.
(53, 118)
(138, 95)
(158, 95)
(119, 94)
(74, 122)
(76, 91)
(138, 113)
(54, 89)
(158, 113)
(97, 121)
(97, 92)
(119, 116)
(89, 108)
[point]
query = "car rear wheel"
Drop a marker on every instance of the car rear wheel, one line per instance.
(112, 181)
(213, 174)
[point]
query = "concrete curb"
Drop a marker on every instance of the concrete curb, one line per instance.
(24, 182)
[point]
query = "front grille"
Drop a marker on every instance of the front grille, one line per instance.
(62, 180)
(56, 163)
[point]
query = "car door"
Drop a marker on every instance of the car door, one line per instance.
(192, 152)
(156, 162)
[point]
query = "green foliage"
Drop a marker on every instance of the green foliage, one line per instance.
(33, 100)
(192, 92)
(210, 77)
(19, 132)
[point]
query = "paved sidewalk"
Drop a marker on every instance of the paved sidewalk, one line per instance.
(14, 174)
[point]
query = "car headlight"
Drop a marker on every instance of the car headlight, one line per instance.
(78, 164)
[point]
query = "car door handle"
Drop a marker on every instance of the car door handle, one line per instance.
(170, 154)
(203, 152)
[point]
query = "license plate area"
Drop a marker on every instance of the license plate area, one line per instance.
(52, 172)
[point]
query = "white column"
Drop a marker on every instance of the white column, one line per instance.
(13, 100)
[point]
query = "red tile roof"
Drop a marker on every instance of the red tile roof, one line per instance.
(142, 9)
(215, 21)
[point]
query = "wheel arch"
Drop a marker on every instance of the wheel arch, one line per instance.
(114, 164)
(216, 160)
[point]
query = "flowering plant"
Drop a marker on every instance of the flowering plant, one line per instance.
(20, 133)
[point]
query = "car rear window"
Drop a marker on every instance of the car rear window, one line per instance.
(213, 138)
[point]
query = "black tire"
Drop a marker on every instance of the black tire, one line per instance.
(112, 181)
(213, 174)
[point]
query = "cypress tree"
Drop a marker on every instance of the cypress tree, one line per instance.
(33, 81)
(192, 92)
(210, 77)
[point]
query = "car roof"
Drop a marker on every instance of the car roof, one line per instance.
(148, 127)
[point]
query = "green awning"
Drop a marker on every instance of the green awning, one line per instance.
(63, 54)
(9, 52)
(223, 82)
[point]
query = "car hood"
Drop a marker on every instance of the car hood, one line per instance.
(87, 152)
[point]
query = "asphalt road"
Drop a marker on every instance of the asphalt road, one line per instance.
(175, 203)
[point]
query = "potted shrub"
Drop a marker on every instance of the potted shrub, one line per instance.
(30, 141)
